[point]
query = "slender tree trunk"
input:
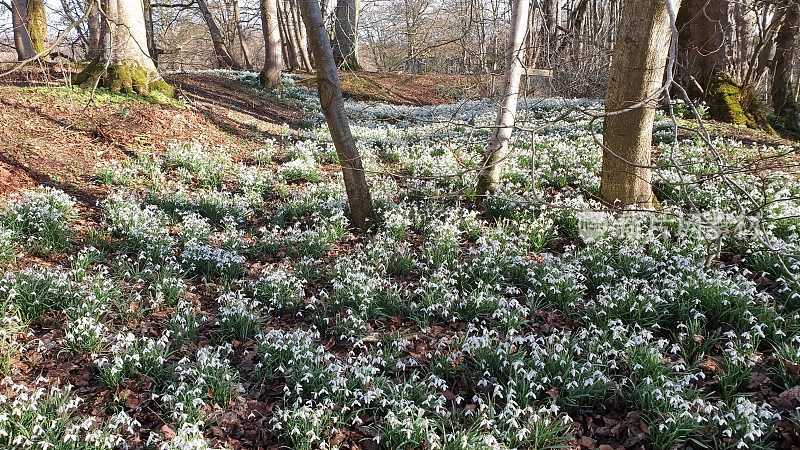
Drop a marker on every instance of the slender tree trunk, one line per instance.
(783, 92)
(125, 65)
(288, 48)
(497, 148)
(302, 40)
(637, 70)
(151, 34)
(221, 51)
(330, 96)
(19, 20)
(273, 58)
(240, 34)
(345, 24)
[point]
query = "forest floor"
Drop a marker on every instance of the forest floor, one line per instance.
(209, 263)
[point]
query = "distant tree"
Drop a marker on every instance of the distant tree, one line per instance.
(29, 20)
(125, 64)
(637, 71)
(273, 56)
(223, 54)
(497, 147)
(786, 55)
(330, 97)
(345, 26)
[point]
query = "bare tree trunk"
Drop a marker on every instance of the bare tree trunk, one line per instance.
(19, 20)
(785, 104)
(125, 65)
(637, 70)
(497, 147)
(288, 48)
(330, 97)
(93, 25)
(240, 33)
(301, 39)
(151, 35)
(273, 58)
(345, 25)
(221, 51)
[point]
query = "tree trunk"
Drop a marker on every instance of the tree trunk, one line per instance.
(221, 51)
(37, 25)
(330, 97)
(497, 147)
(709, 46)
(125, 65)
(301, 39)
(19, 20)
(273, 58)
(345, 25)
(151, 34)
(785, 104)
(637, 70)
(94, 37)
(240, 34)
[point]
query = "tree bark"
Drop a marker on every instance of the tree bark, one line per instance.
(710, 49)
(37, 25)
(94, 36)
(785, 104)
(221, 51)
(125, 65)
(273, 56)
(22, 39)
(637, 70)
(497, 148)
(345, 25)
(330, 96)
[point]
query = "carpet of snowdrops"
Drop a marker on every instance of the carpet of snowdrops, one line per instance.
(221, 300)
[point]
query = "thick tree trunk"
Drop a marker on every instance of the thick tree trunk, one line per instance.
(637, 70)
(710, 51)
(125, 65)
(497, 148)
(273, 58)
(345, 25)
(94, 36)
(19, 20)
(783, 92)
(330, 97)
(37, 25)
(221, 51)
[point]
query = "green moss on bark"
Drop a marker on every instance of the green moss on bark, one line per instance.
(125, 78)
(37, 25)
(732, 104)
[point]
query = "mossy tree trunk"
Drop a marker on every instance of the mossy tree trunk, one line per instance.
(37, 25)
(330, 98)
(785, 104)
(273, 55)
(637, 69)
(712, 52)
(125, 65)
(497, 149)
